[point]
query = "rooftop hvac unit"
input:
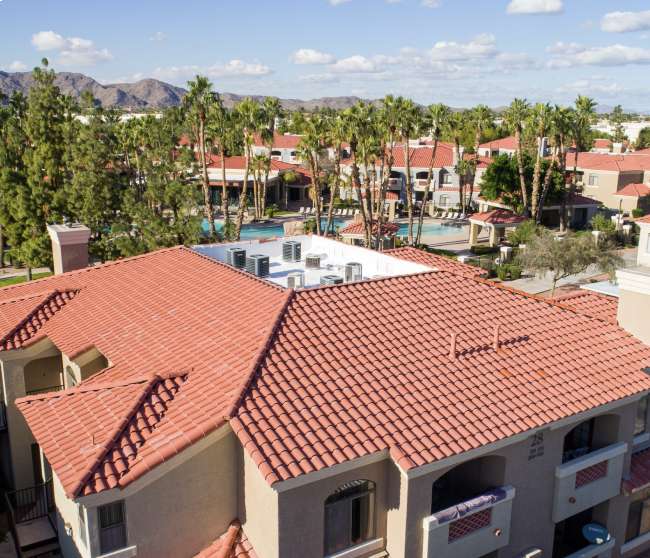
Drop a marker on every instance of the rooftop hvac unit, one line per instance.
(331, 280)
(257, 264)
(296, 280)
(236, 257)
(312, 261)
(353, 272)
(291, 251)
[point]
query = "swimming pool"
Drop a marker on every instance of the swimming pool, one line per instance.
(254, 231)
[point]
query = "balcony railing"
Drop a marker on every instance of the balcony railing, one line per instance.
(421, 183)
(588, 480)
(394, 182)
(595, 550)
(31, 503)
(45, 390)
(472, 528)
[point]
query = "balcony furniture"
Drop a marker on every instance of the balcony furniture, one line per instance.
(472, 528)
(588, 480)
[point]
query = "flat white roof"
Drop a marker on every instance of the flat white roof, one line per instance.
(333, 257)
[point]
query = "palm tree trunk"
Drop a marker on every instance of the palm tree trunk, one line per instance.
(333, 189)
(427, 189)
(356, 183)
(2, 249)
(386, 169)
(224, 195)
(520, 168)
(242, 196)
(205, 181)
(265, 183)
(545, 189)
(409, 188)
(534, 201)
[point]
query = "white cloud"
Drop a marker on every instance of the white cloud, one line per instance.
(319, 78)
(355, 64)
(17, 66)
(535, 7)
(311, 56)
(158, 36)
(72, 51)
(565, 48)
(430, 3)
(481, 46)
(233, 68)
(338, 2)
(623, 22)
(614, 55)
(585, 86)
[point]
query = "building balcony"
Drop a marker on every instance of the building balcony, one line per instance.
(421, 184)
(588, 480)
(472, 528)
(595, 550)
(395, 183)
(45, 390)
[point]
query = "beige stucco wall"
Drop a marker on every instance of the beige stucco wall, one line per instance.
(634, 314)
(258, 510)
(43, 373)
(609, 182)
(302, 510)
(182, 512)
(67, 514)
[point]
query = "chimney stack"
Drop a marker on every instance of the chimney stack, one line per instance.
(634, 289)
(69, 246)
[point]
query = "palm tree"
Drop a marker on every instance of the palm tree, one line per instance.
(560, 126)
(409, 121)
(481, 118)
(310, 150)
(514, 117)
(456, 125)
(335, 136)
(584, 116)
(198, 103)
(248, 113)
(436, 118)
(220, 127)
(387, 127)
(540, 118)
(271, 111)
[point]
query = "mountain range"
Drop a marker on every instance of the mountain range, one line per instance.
(146, 93)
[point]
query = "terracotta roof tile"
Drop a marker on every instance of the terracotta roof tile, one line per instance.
(436, 261)
(397, 372)
(280, 141)
(232, 544)
(589, 303)
(498, 217)
(168, 311)
(634, 190)
(357, 229)
(509, 143)
(645, 219)
(609, 162)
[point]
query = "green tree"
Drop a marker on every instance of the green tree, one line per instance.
(617, 117)
(514, 117)
(539, 121)
(558, 258)
(643, 141)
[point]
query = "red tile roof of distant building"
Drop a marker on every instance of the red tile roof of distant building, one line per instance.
(358, 229)
(232, 544)
(645, 219)
(602, 143)
(590, 303)
(436, 261)
(509, 143)
(280, 141)
(498, 217)
(634, 190)
(611, 162)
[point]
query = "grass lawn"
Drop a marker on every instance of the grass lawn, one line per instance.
(21, 279)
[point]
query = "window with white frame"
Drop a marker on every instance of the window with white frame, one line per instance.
(593, 180)
(112, 527)
(349, 516)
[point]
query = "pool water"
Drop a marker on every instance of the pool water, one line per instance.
(255, 231)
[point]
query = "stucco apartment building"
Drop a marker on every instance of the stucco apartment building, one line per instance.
(174, 405)
(602, 176)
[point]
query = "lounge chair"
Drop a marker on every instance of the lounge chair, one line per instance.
(301, 211)
(357, 211)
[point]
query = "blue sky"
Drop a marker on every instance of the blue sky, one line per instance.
(461, 52)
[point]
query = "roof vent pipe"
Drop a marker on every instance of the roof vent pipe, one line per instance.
(452, 347)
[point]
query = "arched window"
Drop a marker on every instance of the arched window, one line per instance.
(579, 441)
(349, 516)
(422, 175)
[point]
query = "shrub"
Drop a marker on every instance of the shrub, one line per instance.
(515, 272)
(271, 210)
(638, 212)
(603, 224)
(502, 272)
(523, 233)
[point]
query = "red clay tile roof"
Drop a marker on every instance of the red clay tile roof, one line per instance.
(330, 391)
(589, 303)
(280, 141)
(639, 472)
(421, 157)
(498, 217)
(21, 319)
(509, 143)
(645, 219)
(436, 261)
(609, 162)
(602, 143)
(232, 544)
(168, 311)
(634, 190)
(357, 229)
